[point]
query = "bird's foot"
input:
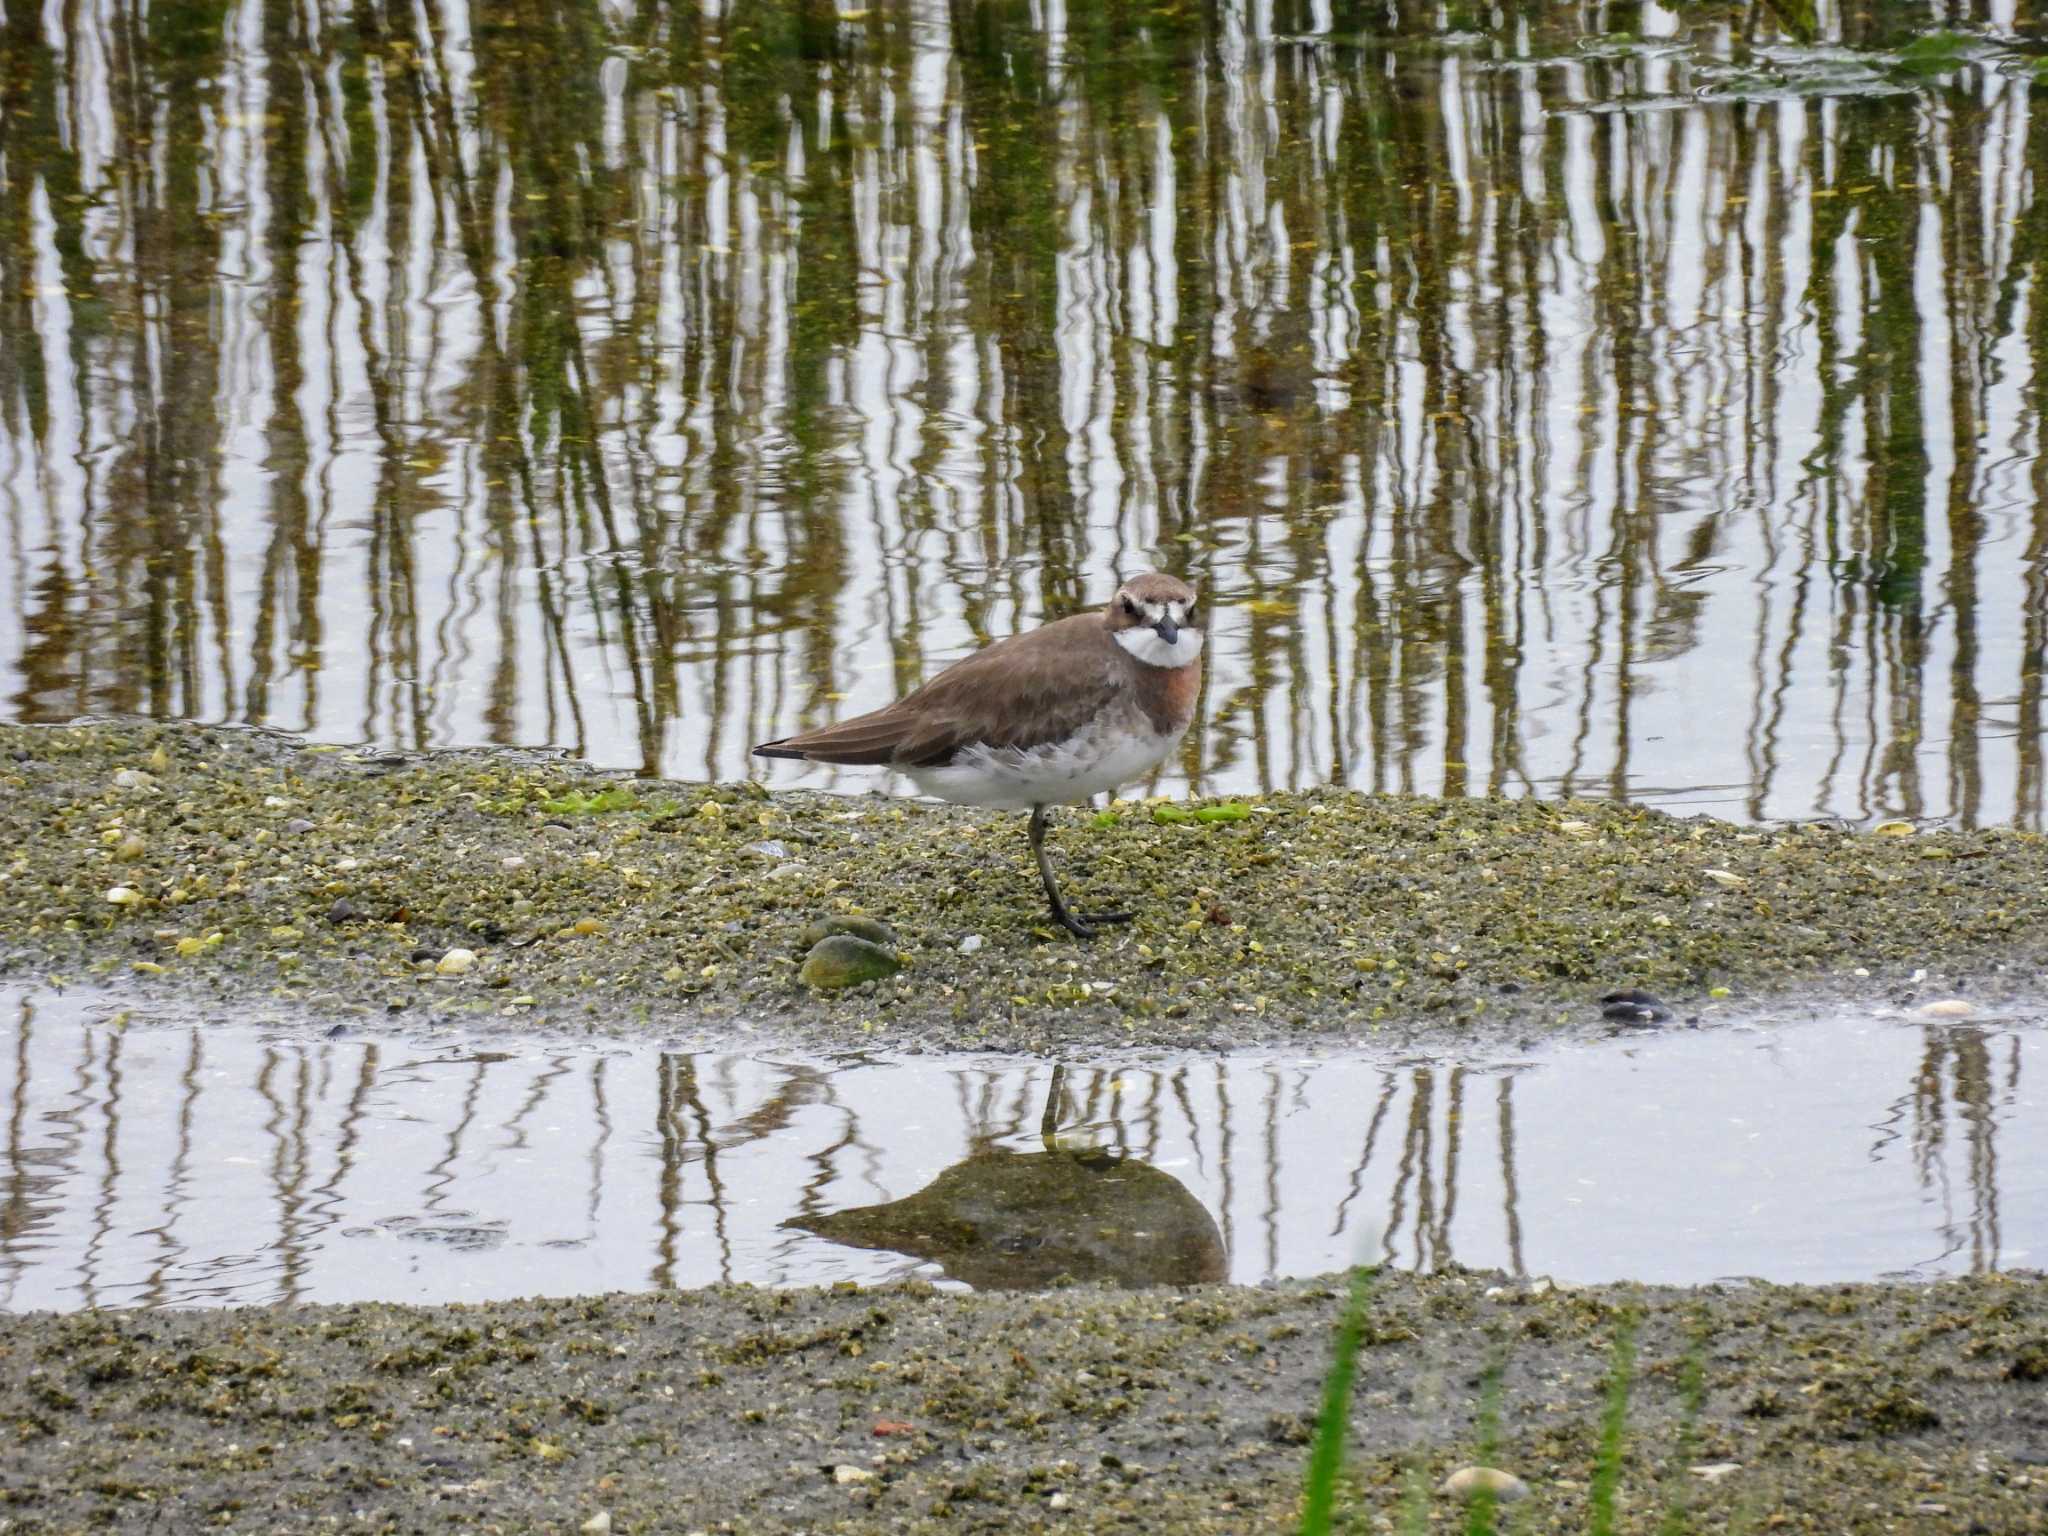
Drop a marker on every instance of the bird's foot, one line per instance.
(1086, 925)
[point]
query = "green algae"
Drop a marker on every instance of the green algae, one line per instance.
(1317, 913)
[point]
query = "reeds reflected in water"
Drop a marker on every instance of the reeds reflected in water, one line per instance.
(149, 1165)
(1606, 400)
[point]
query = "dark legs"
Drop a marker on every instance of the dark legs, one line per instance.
(1080, 925)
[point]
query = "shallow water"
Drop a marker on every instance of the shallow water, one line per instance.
(145, 1163)
(1608, 398)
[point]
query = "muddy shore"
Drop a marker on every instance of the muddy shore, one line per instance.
(246, 866)
(331, 886)
(1848, 1409)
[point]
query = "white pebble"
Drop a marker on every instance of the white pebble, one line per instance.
(844, 1475)
(598, 1524)
(455, 962)
(970, 944)
(1468, 1481)
(1946, 1008)
(1714, 1471)
(124, 896)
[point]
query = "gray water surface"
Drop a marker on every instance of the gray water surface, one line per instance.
(147, 1163)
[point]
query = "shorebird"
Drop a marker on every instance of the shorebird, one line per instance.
(1045, 718)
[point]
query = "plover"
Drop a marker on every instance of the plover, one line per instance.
(1041, 719)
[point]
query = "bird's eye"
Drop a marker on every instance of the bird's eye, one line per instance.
(1130, 608)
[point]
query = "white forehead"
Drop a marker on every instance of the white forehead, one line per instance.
(1175, 610)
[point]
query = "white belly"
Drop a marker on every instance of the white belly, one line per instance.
(1087, 763)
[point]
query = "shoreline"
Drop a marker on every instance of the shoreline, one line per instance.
(337, 883)
(246, 867)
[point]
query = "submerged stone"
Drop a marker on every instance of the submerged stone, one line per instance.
(843, 960)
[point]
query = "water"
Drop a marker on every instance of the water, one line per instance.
(163, 1164)
(1604, 398)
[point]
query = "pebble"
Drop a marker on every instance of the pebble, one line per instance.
(844, 1474)
(1634, 1006)
(125, 896)
(134, 778)
(1468, 1481)
(1714, 1471)
(598, 1524)
(131, 849)
(874, 930)
(513, 861)
(298, 826)
(971, 944)
(770, 848)
(344, 911)
(1946, 1008)
(1059, 1501)
(842, 960)
(455, 962)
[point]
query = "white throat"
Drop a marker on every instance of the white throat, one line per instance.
(1145, 644)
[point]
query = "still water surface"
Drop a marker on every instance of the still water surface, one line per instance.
(157, 1165)
(1613, 399)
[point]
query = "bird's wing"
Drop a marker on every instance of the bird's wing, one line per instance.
(1019, 693)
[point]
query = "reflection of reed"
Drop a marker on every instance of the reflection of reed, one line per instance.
(1955, 1083)
(655, 382)
(157, 1168)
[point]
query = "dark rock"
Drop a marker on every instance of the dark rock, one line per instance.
(1633, 1006)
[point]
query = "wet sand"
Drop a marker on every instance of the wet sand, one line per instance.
(246, 867)
(336, 883)
(1849, 1409)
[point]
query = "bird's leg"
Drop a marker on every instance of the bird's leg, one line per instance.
(1080, 925)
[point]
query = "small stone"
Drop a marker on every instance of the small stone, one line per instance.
(131, 849)
(125, 896)
(872, 929)
(1726, 877)
(344, 911)
(133, 778)
(513, 861)
(275, 802)
(1893, 829)
(587, 926)
(845, 1475)
(1059, 1501)
(1945, 1008)
(598, 1524)
(298, 826)
(1714, 1471)
(842, 960)
(1634, 1006)
(1468, 1482)
(971, 944)
(455, 962)
(557, 829)
(770, 848)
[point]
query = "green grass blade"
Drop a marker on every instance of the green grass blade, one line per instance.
(1333, 1423)
(1692, 1396)
(1613, 1425)
(1479, 1512)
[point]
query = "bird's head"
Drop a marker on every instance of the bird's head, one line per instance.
(1153, 617)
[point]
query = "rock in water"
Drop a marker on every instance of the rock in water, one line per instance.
(842, 960)
(1634, 1006)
